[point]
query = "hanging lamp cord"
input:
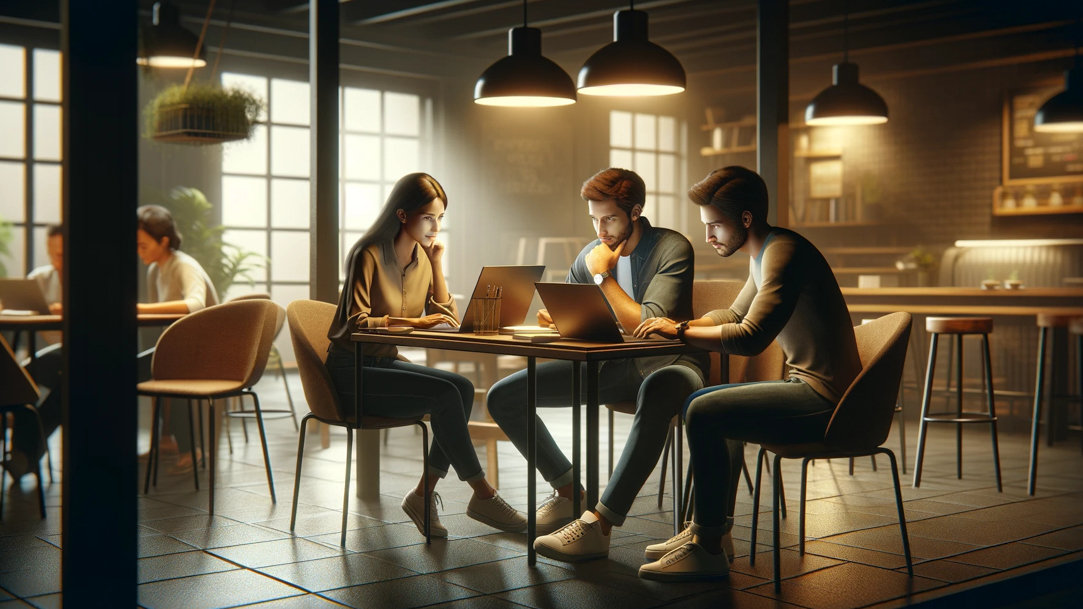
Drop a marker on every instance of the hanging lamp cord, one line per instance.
(524, 13)
(222, 42)
(846, 32)
(199, 44)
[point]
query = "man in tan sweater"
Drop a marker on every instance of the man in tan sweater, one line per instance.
(791, 296)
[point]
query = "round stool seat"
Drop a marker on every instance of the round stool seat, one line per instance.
(1076, 327)
(959, 325)
(1055, 320)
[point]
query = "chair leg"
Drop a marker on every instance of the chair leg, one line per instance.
(610, 444)
(959, 408)
(297, 471)
(263, 442)
(665, 463)
(151, 462)
(902, 433)
(776, 485)
(211, 450)
(678, 465)
(899, 507)
(926, 394)
(760, 457)
(992, 408)
(744, 470)
(37, 462)
(428, 491)
(801, 516)
(191, 436)
(1039, 387)
(346, 487)
(199, 423)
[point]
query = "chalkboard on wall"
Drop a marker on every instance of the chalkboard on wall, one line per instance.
(1030, 157)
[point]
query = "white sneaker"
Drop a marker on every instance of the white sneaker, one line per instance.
(578, 540)
(414, 506)
(496, 512)
(689, 562)
(658, 550)
(553, 513)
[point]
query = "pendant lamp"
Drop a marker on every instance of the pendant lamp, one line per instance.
(631, 65)
(525, 77)
(846, 101)
(165, 44)
(1063, 113)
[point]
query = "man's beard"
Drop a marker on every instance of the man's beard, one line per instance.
(735, 243)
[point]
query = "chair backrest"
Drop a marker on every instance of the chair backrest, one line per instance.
(249, 296)
(276, 317)
(770, 365)
(221, 342)
(309, 321)
(16, 386)
(863, 416)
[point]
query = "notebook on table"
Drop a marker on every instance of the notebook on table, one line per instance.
(580, 311)
(19, 296)
(516, 285)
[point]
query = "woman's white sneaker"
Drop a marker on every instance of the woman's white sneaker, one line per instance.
(689, 562)
(496, 512)
(580, 539)
(658, 550)
(414, 506)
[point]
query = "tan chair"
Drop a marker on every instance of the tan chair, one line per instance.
(309, 321)
(19, 392)
(274, 359)
(218, 352)
(859, 426)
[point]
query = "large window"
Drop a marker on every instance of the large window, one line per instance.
(651, 146)
(30, 151)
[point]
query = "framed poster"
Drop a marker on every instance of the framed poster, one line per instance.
(825, 179)
(1035, 158)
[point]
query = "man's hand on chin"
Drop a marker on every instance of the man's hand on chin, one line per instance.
(603, 258)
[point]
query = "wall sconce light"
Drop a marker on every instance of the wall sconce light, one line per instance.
(846, 101)
(631, 65)
(165, 44)
(525, 77)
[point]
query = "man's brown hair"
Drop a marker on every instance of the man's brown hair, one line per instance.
(732, 190)
(623, 186)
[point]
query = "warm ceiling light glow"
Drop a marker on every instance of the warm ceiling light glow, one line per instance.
(165, 44)
(631, 65)
(846, 101)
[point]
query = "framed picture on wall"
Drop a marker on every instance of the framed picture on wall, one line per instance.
(1035, 158)
(825, 179)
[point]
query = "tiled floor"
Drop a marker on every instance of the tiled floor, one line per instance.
(966, 538)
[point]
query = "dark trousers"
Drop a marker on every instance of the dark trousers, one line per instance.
(47, 371)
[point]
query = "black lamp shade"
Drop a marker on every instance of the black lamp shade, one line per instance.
(631, 65)
(165, 44)
(524, 77)
(1063, 113)
(846, 102)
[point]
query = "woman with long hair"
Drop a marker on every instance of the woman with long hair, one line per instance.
(394, 277)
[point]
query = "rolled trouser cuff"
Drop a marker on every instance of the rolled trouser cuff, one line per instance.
(562, 480)
(480, 475)
(610, 515)
(717, 530)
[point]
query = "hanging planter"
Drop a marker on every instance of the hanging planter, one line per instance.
(202, 114)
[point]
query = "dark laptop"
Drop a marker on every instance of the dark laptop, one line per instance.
(580, 311)
(516, 291)
(22, 295)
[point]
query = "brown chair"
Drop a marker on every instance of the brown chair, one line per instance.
(217, 352)
(274, 359)
(19, 392)
(309, 321)
(859, 426)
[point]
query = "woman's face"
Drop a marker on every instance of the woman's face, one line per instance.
(149, 249)
(423, 224)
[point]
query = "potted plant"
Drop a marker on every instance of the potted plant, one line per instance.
(5, 238)
(919, 260)
(202, 114)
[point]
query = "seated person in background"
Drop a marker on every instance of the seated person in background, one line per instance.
(176, 284)
(45, 367)
(644, 271)
(394, 277)
(792, 295)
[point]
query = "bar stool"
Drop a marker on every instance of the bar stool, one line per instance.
(958, 327)
(1046, 323)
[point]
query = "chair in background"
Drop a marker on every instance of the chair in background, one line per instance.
(858, 427)
(274, 359)
(218, 352)
(17, 392)
(1048, 323)
(309, 321)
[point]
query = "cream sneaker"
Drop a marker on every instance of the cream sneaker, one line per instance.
(658, 550)
(414, 506)
(578, 540)
(553, 513)
(496, 512)
(689, 562)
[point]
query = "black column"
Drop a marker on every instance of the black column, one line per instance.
(324, 83)
(773, 104)
(98, 563)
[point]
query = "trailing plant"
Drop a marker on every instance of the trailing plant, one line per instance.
(202, 113)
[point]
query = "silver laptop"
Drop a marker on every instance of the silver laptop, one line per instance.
(517, 290)
(580, 311)
(22, 295)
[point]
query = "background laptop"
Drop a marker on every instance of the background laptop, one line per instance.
(580, 311)
(22, 295)
(517, 283)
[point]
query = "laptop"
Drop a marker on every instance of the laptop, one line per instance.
(22, 295)
(517, 290)
(580, 311)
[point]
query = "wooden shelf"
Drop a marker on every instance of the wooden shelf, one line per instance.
(834, 224)
(827, 153)
(708, 151)
(842, 251)
(865, 270)
(1039, 211)
(748, 122)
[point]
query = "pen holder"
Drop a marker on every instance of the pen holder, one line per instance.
(486, 314)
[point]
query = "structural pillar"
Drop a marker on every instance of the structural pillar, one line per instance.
(773, 105)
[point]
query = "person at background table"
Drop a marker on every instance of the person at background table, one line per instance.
(791, 295)
(176, 283)
(644, 271)
(394, 277)
(45, 367)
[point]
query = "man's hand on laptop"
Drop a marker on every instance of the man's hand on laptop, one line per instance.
(660, 326)
(544, 320)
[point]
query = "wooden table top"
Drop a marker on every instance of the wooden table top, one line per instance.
(56, 322)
